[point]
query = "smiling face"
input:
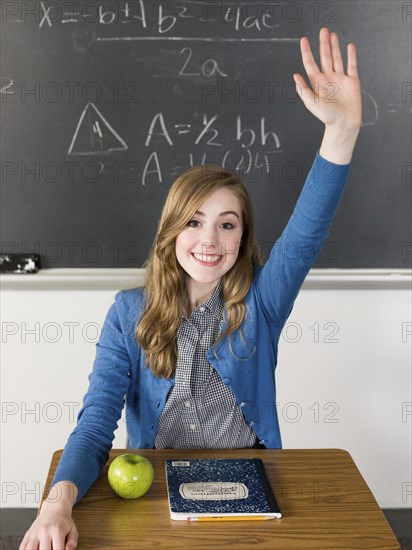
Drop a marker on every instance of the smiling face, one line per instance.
(209, 244)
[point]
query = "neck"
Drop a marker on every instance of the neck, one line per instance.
(196, 296)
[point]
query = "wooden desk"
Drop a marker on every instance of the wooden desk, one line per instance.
(324, 500)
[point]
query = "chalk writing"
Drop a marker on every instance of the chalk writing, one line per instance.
(250, 163)
(94, 135)
(209, 67)
(370, 109)
(6, 85)
(246, 137)
(170, 17)
(397, 107)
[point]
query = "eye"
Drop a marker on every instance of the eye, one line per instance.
(225, 225)
(190, 224)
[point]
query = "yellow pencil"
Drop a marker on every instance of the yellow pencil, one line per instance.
(228, 518)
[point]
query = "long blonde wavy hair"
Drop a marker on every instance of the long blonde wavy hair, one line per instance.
(165, 287)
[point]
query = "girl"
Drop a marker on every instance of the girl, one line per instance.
(194, 350)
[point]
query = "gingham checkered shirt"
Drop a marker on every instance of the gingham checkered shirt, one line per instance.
(201, 411)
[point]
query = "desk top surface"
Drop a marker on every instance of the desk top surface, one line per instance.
(324, 500)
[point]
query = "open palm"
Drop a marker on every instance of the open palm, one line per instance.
(334, 97)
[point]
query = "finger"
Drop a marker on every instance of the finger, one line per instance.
(352, 61)
(309, 63)
(336, 55)
(325, 51)
(72, 539)
(45, 542)
(57, 541)
(25, 543)
(31, 544)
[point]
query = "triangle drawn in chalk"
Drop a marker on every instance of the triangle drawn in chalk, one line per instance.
(94, 135)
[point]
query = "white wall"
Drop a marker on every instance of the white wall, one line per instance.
(353, 393)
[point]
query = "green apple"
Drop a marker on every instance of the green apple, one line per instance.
(130, 475)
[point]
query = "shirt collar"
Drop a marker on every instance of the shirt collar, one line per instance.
(214, 303)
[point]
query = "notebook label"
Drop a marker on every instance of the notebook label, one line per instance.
(213, 491)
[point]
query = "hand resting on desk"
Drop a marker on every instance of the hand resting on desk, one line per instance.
(54, 528)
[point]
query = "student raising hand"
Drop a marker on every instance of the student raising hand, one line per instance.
(191, 372)
(333, 96)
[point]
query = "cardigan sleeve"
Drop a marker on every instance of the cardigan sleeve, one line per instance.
(88, 446)
(293, 254)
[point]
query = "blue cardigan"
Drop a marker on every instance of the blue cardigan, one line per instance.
(118, 376)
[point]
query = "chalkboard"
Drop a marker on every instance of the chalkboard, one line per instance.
(104, 103)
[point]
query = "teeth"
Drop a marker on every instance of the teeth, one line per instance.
(207, 259)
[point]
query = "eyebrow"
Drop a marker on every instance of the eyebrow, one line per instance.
(221, 214)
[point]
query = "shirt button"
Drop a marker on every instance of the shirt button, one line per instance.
(187, 404)
(201, 309)
(192, 426)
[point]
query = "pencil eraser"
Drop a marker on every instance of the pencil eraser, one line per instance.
(19, 263)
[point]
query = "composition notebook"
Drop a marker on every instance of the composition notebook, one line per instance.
(221, 488)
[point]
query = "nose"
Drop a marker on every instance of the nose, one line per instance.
(210, 241)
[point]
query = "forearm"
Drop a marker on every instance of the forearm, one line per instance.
(338, 144)
(62, 496)
(302, 239)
